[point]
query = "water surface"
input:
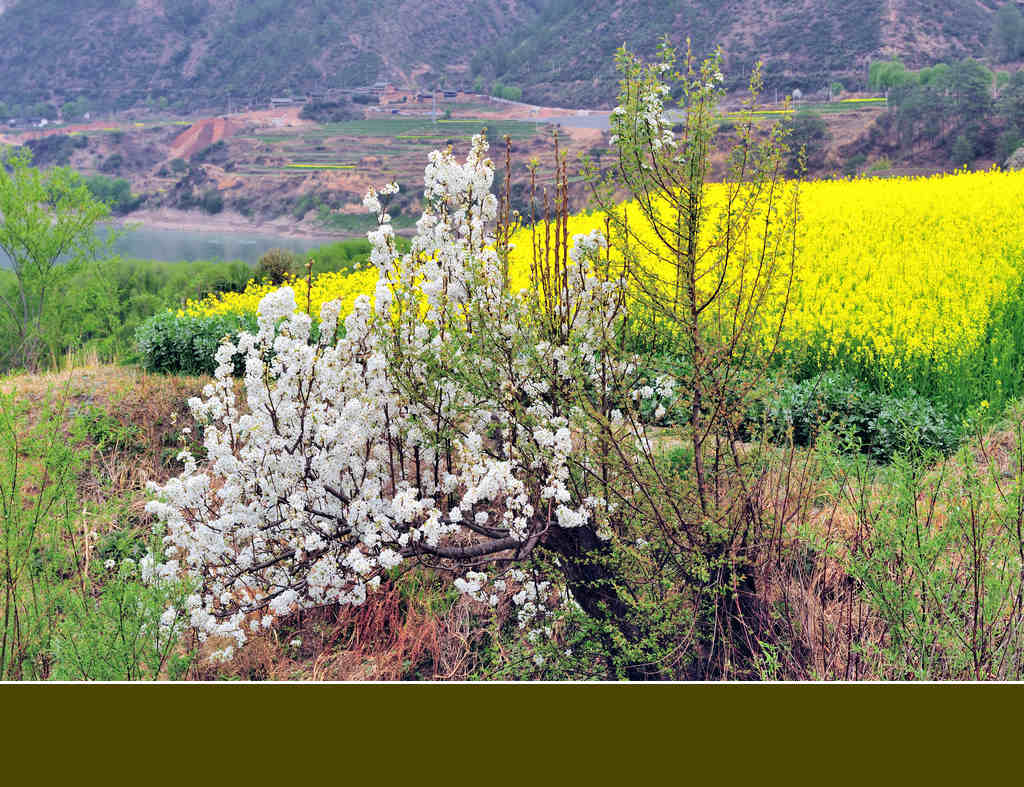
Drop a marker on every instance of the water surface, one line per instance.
(147, 243)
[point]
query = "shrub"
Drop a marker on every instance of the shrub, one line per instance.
(881, 425)
(938, 563)
(212, 201)
(184, 344)
(304, 205)
(329, 111)
(963, 151)
(115, 192)
(56, 149)
(276, 265)
(217, 153)
(61, 616)
(853, 164)
(493, 431)
(1006, 144)
(112, 163)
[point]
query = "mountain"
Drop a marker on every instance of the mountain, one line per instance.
(191, 53)
(119, 52)
(567, 54)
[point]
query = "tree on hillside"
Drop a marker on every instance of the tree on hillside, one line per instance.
(1011, 101)
(808, 141)
(945, 105)
(972, 86)
(75, 110)
(936, 77)
(47, 222)
(885, 75)
(1007, 39)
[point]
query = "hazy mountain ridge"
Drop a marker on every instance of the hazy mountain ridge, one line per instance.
(119, 52)
(803, 43)
(125, 50)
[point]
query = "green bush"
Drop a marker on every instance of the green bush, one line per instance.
(508, 92)
(213, 202)
(113, 163)
(303, 205)
(1007, 143)
(122, 634)
(186, 344)
(115, 192)
(217, 153)
(937, 560)
(329, 111)
(963, 151)
(880, 425)
(276, 264)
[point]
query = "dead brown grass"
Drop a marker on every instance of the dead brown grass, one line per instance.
(152, 406)
(397, 637)
(811, 601)
(400, 636)
(150, 410)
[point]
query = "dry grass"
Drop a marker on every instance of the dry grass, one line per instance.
(400, 636)
(816, 522)
(151, 407)
(148, 411)
(409, 632)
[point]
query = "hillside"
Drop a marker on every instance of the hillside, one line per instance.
(121, 52)
(197, 53)
(804, 44)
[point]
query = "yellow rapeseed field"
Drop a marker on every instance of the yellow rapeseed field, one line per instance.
(906, 281)
(909, 282)
(325, 287)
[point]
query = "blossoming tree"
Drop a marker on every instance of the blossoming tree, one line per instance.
(447, 421)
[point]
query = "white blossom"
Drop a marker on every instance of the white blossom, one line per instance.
(323, 473)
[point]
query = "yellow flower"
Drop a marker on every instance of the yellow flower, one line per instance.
(899, 278)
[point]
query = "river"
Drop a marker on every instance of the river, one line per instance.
(147, 243)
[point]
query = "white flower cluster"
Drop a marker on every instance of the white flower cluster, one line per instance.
(662, 394)
(372, 199)
(366, 447)
(651, 124)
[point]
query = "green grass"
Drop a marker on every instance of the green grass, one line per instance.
(398, 126)
(360, 223)
(305, 165)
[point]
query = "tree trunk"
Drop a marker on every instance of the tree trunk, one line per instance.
(586, 564)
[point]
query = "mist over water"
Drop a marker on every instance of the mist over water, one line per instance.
(146, 243)
(160, 244)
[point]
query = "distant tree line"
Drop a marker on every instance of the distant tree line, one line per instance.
(329, 111)
(964, 107)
